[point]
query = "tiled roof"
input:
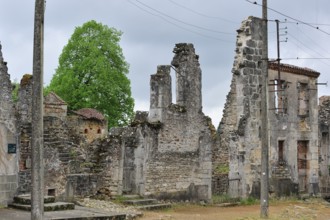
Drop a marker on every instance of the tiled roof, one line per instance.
(90, 113)
(294, 69)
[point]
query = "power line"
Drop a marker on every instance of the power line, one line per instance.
(287, 16)
(178, 26)
(311, 49)
(201, 14)
(320, 47)
(307, 58)
(183, 22)
(305, 45)
(293, 22)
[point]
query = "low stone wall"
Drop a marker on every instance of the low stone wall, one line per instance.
(8, 186)
(81, 185)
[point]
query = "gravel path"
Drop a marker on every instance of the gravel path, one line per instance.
(109, 206)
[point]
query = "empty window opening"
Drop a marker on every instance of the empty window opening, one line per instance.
(281, 152)
(173, 84)
(303, 99)
(303, 166)
(302, 154)
(51, 192)
(280, 96)
(86, 131)
(99, 131)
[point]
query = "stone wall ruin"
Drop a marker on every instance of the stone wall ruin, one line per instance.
(8, 138)
(165, 153)
(292, 130)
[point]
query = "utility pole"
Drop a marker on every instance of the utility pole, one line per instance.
(264, 178)
(37, 195)
(278, 52)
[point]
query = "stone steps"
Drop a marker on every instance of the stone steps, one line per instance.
(157, 206)
(26, 199)
(55, 206)
(23, 202)
(145, 204)
(140, 202)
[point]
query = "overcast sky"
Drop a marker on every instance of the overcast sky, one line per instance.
(151, 28)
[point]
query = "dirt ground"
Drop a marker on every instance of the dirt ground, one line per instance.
(312, 209)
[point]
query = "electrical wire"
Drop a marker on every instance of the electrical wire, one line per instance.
(305, 45)
(179, 26)
(287, 16)
(183, 22)
(307, 58)
(320, 59)
(201, 14)
(294, 22)
(311, 39)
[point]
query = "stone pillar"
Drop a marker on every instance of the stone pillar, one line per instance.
(160, 93)
(188, 77)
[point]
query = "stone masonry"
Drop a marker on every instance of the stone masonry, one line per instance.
(8, 138)
(324, 143)
(166, 152)
(292, 127)
(239, 127)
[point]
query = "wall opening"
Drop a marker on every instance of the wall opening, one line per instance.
(280, 96)
(173, 89)
(51, 192)
(303, 100)
(281, 152)
(303, 165)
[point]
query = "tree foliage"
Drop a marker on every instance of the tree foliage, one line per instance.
(14, 91)
(92, 73)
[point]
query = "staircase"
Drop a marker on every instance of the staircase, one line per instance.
(23, 202)
(145, 204)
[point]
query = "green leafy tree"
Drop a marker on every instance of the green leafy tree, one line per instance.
(14, 92)
(92, 73)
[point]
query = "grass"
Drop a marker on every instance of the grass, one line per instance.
(222, 169)
(249, 201)
(216, 199)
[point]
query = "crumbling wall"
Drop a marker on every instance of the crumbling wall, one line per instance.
(166, 152)
(24, 112)
(324, 143)
(293, 132)
(8, 138)
(240, 126)
(96, 169)
(57, 143)
(179, 157)
(292, 127)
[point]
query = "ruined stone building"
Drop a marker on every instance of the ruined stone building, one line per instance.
(165, 153)
(292, 118)
(172, 151)
(8, 137)
(324, 143)
(63, 135)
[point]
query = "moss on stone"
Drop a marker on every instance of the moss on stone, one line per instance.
(26, 79)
